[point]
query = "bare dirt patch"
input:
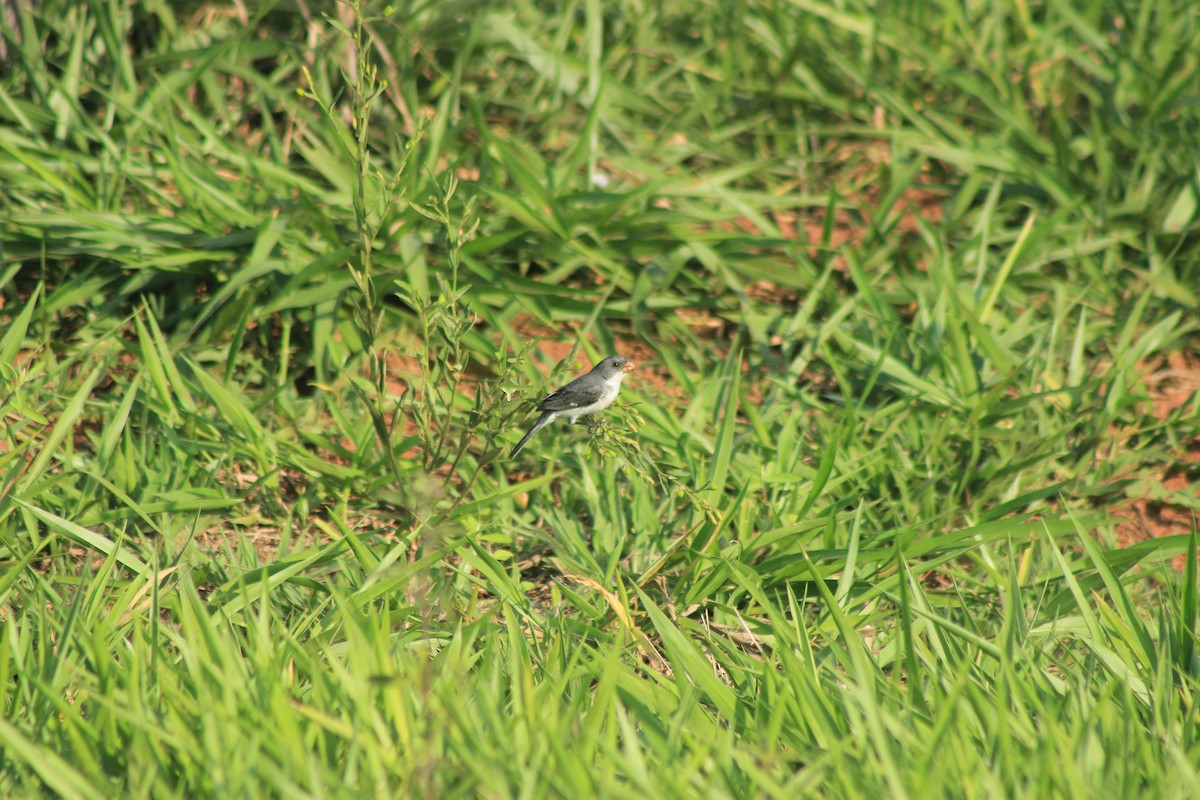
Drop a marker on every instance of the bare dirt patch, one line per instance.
(1172, 383)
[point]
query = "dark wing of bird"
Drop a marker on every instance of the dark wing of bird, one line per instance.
(579, 392)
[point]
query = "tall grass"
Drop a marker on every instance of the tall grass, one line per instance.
(912, 289)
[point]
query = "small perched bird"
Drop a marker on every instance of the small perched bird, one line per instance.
(589, 394)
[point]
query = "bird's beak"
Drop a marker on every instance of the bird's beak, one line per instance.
(628, 367)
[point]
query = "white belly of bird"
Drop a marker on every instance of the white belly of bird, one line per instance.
(606, 400)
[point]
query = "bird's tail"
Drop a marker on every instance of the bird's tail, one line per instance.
(542, 422)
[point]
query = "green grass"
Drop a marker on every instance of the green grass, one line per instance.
(273, 309)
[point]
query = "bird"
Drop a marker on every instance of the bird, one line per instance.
(588, 394)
